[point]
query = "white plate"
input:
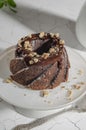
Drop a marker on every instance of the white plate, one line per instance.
(31, 99)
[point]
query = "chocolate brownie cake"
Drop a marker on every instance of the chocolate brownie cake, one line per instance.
(40, 62)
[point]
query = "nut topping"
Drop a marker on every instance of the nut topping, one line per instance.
(41, 35)
(62, 42)
(31, 62)
(52, 35)
(57, 35)
(52, 50)
(35, 60)
(45, 55)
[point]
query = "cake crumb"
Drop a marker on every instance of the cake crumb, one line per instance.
(35, 60)
(76, 86)
(8, 80)
(44, 93)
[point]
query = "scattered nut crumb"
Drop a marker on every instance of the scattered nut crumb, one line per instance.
(82, 83)
(76, 86)
(44, 93)
(80, 72)
(69, 93)
(41, 35)
(8, 80)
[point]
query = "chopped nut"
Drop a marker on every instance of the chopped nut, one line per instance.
(8, 80)
(41, 35)
(32, 54)
(57, 48)
(82, 83)
(44, 93)
(45, 55)
(52, 50)
(52, 35)
(31, 62)
(19, 43)
(69, 93)
(57, 35)
(35, 60)
(76, 86)
(62, 42)
(37, 55)
(29, 49)
(27, 43)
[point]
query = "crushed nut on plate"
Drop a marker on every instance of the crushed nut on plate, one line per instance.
(8, 80)
(69, 93)
(44, 93)
(80, 72)
(76, 86)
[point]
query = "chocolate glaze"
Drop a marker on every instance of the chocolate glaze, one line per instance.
(38, 72)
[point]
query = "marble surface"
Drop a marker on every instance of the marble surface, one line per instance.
(35, 16)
